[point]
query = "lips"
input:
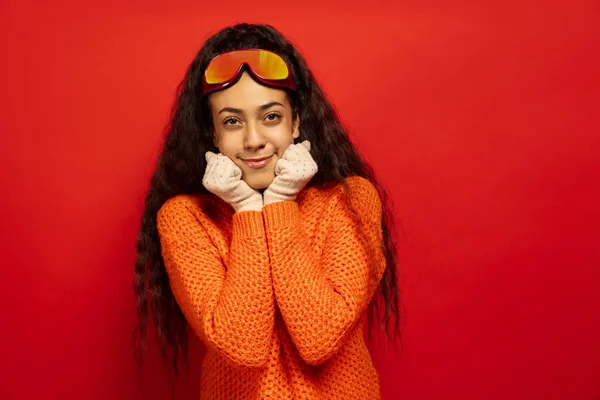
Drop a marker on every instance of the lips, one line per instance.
(258, 162)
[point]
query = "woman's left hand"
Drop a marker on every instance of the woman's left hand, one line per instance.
(293, 171)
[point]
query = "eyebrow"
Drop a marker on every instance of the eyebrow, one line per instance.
(261, 108)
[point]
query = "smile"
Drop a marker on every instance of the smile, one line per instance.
(258, 163)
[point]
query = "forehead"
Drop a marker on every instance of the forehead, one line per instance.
(246, 93)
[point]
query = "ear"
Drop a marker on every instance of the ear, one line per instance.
(215, 140)
(296, 128)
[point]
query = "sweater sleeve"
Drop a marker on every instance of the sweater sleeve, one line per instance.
(230, 303)
(321, 299)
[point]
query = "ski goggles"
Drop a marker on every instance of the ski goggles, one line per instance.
(266, 66)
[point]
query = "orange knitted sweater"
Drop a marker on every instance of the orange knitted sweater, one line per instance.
(278, 296)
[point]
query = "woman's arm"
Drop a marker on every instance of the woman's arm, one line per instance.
(230, 308)
(321, 300)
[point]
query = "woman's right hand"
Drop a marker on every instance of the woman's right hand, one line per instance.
(224, 179)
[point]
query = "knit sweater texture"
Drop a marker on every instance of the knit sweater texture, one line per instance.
(278, 296)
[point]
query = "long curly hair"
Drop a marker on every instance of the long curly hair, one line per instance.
(181, 167)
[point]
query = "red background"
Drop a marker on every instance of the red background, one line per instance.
(484, 130)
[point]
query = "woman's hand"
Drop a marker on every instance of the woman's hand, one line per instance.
(292, 172)
(224, 179)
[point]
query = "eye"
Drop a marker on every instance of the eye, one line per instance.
(272, 117)
(229, 121)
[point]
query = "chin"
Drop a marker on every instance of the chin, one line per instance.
(259, 179)
(259, 185)
(259, 182)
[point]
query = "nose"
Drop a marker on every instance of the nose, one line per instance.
(254, 139)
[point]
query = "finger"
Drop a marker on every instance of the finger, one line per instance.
(306, 144)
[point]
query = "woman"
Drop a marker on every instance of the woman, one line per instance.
(264, 230)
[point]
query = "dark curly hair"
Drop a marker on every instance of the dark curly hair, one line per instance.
(181, 168)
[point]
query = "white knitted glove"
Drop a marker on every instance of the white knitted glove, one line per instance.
(293, 171)
(223, 178)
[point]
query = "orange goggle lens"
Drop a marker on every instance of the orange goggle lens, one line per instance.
(265, 65)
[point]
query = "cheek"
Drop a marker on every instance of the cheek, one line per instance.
(228, 145)
(284, 140)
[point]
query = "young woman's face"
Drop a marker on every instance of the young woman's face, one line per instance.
(253, 121)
